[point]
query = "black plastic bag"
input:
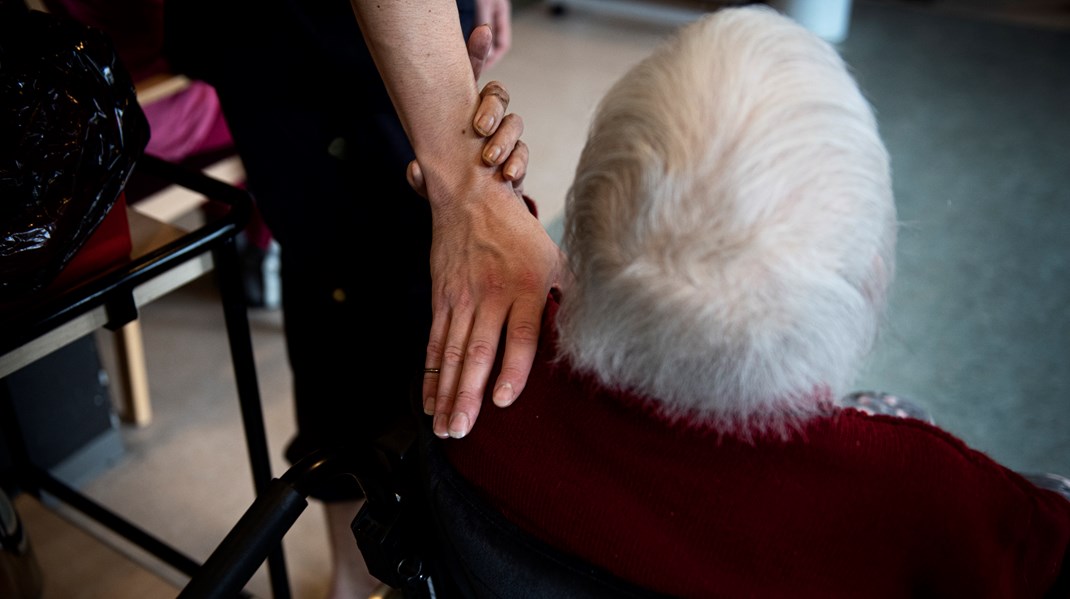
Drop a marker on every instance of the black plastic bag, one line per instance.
(71, 131)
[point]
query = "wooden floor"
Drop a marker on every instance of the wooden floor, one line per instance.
(77, 564)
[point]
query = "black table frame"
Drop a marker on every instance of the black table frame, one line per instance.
(114, 290)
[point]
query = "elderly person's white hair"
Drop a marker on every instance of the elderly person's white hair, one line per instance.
(731, 227)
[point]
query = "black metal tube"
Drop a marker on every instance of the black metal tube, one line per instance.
(257, 533)
(263, 526)
(241, 350)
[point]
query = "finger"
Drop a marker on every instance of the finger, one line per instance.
(502, 27)
(454, 354)
(521, 342)
(430, 385)
(495, 88)
(480, 44)
(516, 166)
(501, 145)
(518, 190)
(434, 360)
(415, 177)
(478, 363)
(493, 102)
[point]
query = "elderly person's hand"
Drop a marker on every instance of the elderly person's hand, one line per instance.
(503, 148)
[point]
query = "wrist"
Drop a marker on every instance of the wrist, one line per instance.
(458, 174)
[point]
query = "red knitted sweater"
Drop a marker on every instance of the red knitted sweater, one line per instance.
(854, 506)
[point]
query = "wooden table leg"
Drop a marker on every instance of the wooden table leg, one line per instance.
(134, 405)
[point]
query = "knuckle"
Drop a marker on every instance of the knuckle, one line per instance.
(495, 284)
(481, 352)
(495, 88)
(463, 301)
(525, 332)
(452, 356)
(528, 282)
(434, 349)
(466, 398)
(513, 120)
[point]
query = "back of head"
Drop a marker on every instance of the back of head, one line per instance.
(731, 226)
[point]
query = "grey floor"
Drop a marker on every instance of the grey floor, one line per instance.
(975, 116)
(972, 100)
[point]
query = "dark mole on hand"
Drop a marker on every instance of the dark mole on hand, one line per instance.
(464, 131)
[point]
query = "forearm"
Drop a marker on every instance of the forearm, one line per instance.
(492, 263)
(420, 52)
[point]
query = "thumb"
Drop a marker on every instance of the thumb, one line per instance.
(480, 44)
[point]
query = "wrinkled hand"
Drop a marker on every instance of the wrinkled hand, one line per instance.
(492, 265)
(503, 148)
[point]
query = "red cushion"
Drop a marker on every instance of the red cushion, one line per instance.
(110, 244)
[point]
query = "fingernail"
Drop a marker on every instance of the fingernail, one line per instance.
(503, 395)
(438, 426)
(484, 123)
(429, 405)
(510, 172)
(492, 153)
(458, 425)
